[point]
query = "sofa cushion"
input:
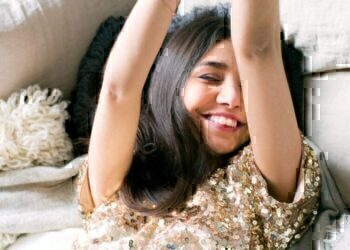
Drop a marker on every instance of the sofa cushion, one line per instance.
(43, 41)
(319, 28)
(327, 119)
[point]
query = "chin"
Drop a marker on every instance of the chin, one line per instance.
(226, 149)
(222, 150)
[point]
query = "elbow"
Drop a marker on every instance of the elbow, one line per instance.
(258, 48)
(117, 92)
(110, 90)
(256, 51)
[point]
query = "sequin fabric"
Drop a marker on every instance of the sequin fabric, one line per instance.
(231, 210)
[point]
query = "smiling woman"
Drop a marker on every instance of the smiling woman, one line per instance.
(170, 163)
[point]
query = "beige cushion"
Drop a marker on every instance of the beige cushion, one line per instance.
(319, 28)
(327, 117)
(43, 41)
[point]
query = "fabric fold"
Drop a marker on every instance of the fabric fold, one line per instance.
(331, 208)
(39, 199)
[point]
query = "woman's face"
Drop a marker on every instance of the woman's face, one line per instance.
(212, 94)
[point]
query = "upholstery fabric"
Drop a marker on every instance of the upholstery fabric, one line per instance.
(63, 239)
(327, 119)
(43, 41)
(319, 28)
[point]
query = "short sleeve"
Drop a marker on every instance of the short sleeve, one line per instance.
(85, 201)
(284, 223)
(107, 222)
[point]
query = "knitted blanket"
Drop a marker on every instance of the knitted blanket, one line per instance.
(36, 186)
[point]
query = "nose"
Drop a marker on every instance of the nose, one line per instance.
(230, 94)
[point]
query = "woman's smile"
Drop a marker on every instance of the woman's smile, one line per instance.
(223, 122)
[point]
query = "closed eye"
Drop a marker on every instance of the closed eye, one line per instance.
(209, 78)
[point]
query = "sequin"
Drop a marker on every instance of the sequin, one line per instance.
(231, 210)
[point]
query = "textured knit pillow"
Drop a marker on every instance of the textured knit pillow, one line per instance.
(32, 129)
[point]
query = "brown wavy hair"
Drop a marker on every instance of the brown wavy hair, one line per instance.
(170, 158)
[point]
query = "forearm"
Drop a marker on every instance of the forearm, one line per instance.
(137, 45)
(255, 25)
(272, 123)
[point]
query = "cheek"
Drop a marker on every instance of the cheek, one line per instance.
(196, 98)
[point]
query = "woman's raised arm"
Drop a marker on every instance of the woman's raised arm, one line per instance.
(272, 122)
(114, 129)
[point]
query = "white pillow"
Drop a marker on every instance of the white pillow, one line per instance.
(319, 28)
(32, 130)
(327, 119)
(43, 41)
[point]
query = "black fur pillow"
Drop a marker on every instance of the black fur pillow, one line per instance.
(293, 61)
(84, 97)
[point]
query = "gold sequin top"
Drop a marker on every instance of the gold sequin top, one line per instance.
(231, 210)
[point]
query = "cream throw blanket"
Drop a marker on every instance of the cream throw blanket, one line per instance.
(36, 186)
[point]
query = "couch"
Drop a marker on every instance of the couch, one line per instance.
(43, 41)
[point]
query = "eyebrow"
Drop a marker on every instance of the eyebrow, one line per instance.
(215, 64)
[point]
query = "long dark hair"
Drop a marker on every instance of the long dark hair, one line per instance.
(170, 158)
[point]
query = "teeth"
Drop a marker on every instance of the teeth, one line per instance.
(223, 121)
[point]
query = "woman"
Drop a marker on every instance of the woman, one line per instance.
(208, 153)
